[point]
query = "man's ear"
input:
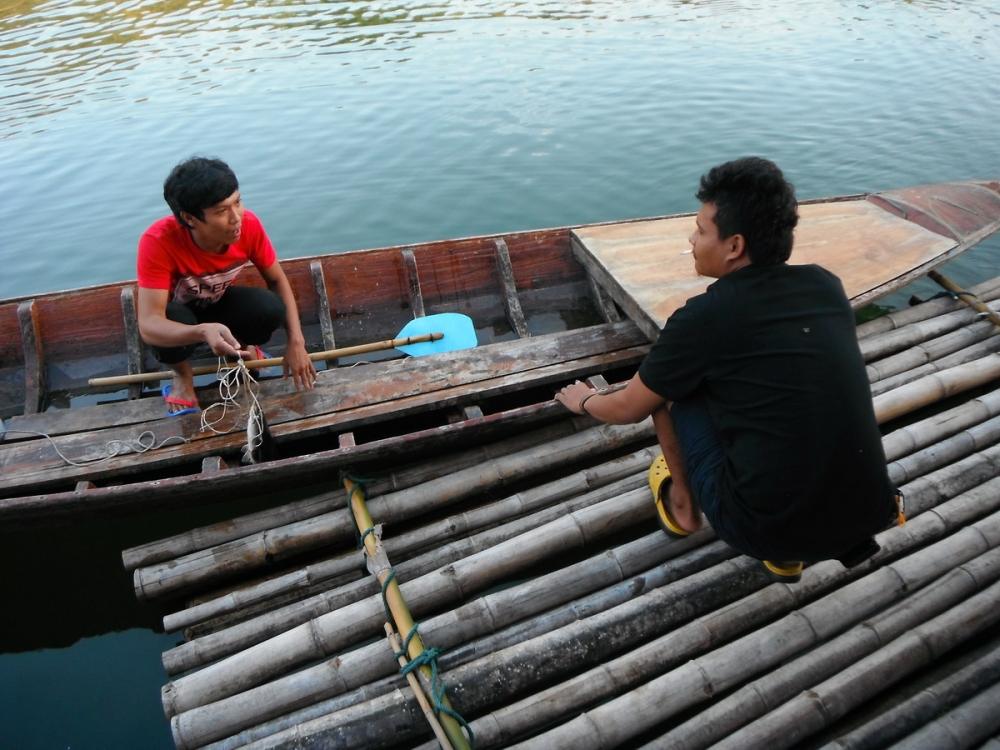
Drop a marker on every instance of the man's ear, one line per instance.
(187, 219)
(737, 247)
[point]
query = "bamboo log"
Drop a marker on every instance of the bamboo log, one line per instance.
(682, 687)
(227, 531)
(328, 633)
(696, 560)
(958, 446)
(929, 351)
(920, 434)
(927, 390)
(449, 528)
(245, 634)
(934, 700)
(347, 351)
(964, 726)
(356, 667)
(833, 698)
(769, 692)
(882, 345)
(960, 357)
(263, 549)
(987, 290)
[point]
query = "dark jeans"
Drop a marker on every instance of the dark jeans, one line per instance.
(251, 313)
(701, 448)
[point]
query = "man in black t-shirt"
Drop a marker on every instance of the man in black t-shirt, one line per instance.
(758, 391)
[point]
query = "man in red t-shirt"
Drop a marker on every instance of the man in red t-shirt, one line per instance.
(186, 265)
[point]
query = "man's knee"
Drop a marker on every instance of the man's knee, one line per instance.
(180, 313)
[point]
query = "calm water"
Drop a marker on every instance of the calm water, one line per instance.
(356, 124)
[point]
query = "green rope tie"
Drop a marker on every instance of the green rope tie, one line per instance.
(428, 657)
(385, 586)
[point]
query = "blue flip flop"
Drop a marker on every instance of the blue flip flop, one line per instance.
(190, 407)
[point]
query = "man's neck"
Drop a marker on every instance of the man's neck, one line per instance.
(214, 249)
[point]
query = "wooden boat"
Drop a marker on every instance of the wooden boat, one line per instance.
(546, 309)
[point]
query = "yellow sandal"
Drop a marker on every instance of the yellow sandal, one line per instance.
(784, 571)
(659, 473)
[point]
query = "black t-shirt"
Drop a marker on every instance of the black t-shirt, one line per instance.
(773, 351)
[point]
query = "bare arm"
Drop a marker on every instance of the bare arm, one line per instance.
(632, 404)
(157, 329)
(297, 362)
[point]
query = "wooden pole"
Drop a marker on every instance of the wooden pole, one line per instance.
(347, 351)
(969, 298)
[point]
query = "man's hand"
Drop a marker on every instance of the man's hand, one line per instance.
(572, 396)
(221, 340)
(301, 368)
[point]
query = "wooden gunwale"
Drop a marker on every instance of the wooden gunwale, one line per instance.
(396, 389)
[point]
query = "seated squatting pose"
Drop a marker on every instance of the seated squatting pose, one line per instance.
(758, 392)
(186, 265)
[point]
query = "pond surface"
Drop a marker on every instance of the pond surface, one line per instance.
(359, 124)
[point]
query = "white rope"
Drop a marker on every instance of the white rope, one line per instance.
(229, 391)
(146, 441)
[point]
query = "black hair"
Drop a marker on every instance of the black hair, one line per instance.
(753, 198)
(196, 184)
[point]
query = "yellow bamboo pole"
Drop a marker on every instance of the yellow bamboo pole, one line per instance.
(399, 609)
(347, 351)
(418, 692)
(967, 297)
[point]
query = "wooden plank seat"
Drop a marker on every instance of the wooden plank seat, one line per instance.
(344, 399)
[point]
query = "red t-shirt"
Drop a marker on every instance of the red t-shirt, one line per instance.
(169, 259)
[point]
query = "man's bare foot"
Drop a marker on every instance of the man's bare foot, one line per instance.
(182, 395)
(682, 508)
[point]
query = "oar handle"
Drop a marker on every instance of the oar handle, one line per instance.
(347, 351)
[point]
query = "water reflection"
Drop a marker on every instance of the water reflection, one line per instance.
(54, 55)
(58, 54)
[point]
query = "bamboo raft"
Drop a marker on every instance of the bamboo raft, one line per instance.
(560, 616)
(568, 619)
(453, 492)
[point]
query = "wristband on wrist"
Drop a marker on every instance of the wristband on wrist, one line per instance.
(583, 401)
